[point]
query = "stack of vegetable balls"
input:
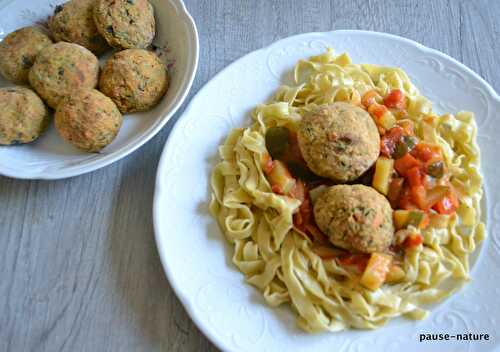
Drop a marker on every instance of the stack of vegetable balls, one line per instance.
(65, 74)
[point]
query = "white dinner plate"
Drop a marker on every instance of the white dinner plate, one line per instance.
(50, 157)
(193, 251)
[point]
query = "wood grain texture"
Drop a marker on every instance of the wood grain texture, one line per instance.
(79, 270)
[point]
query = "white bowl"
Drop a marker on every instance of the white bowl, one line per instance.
(50, 157)
(194, 253)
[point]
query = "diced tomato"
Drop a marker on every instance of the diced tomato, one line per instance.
(395, 133)
(448, 204)
(395, 99)
(377, 110)
(370, 98)
(389, 140)
(395, 190)
(413, 240)
(405, 200)
(357, 260)
(418, 196)
(426, 152)
(417, 189)
(414, 177)
(407, 162)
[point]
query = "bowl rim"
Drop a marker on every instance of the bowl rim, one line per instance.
(161, 239)
(134, 144)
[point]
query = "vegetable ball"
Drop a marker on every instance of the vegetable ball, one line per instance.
(18, 52)
(339, 141)
(24, 116)
(356, 218)
(62, 68)
(135, 79)
(73, 22)
(88, 119)
(125, 23)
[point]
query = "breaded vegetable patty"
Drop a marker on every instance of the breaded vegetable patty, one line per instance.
(18, 51)
(125, 23)
(356, 218)
(88, 119)
(73, 22)
(135, 79)
(23, 116)
(62, 68)
(339, 141)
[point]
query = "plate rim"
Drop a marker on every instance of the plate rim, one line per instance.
(163, 167)
(123, 152)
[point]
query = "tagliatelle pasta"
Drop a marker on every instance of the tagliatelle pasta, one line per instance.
(279, 260)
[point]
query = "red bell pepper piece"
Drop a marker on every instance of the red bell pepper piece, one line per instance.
(395, 99)
(407, 162)
(413, 240)
(405, 200)
(358, 260)
(426, 152)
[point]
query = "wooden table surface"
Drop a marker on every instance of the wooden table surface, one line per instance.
(79, 270)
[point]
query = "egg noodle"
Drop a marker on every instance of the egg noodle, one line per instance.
(278, 259)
